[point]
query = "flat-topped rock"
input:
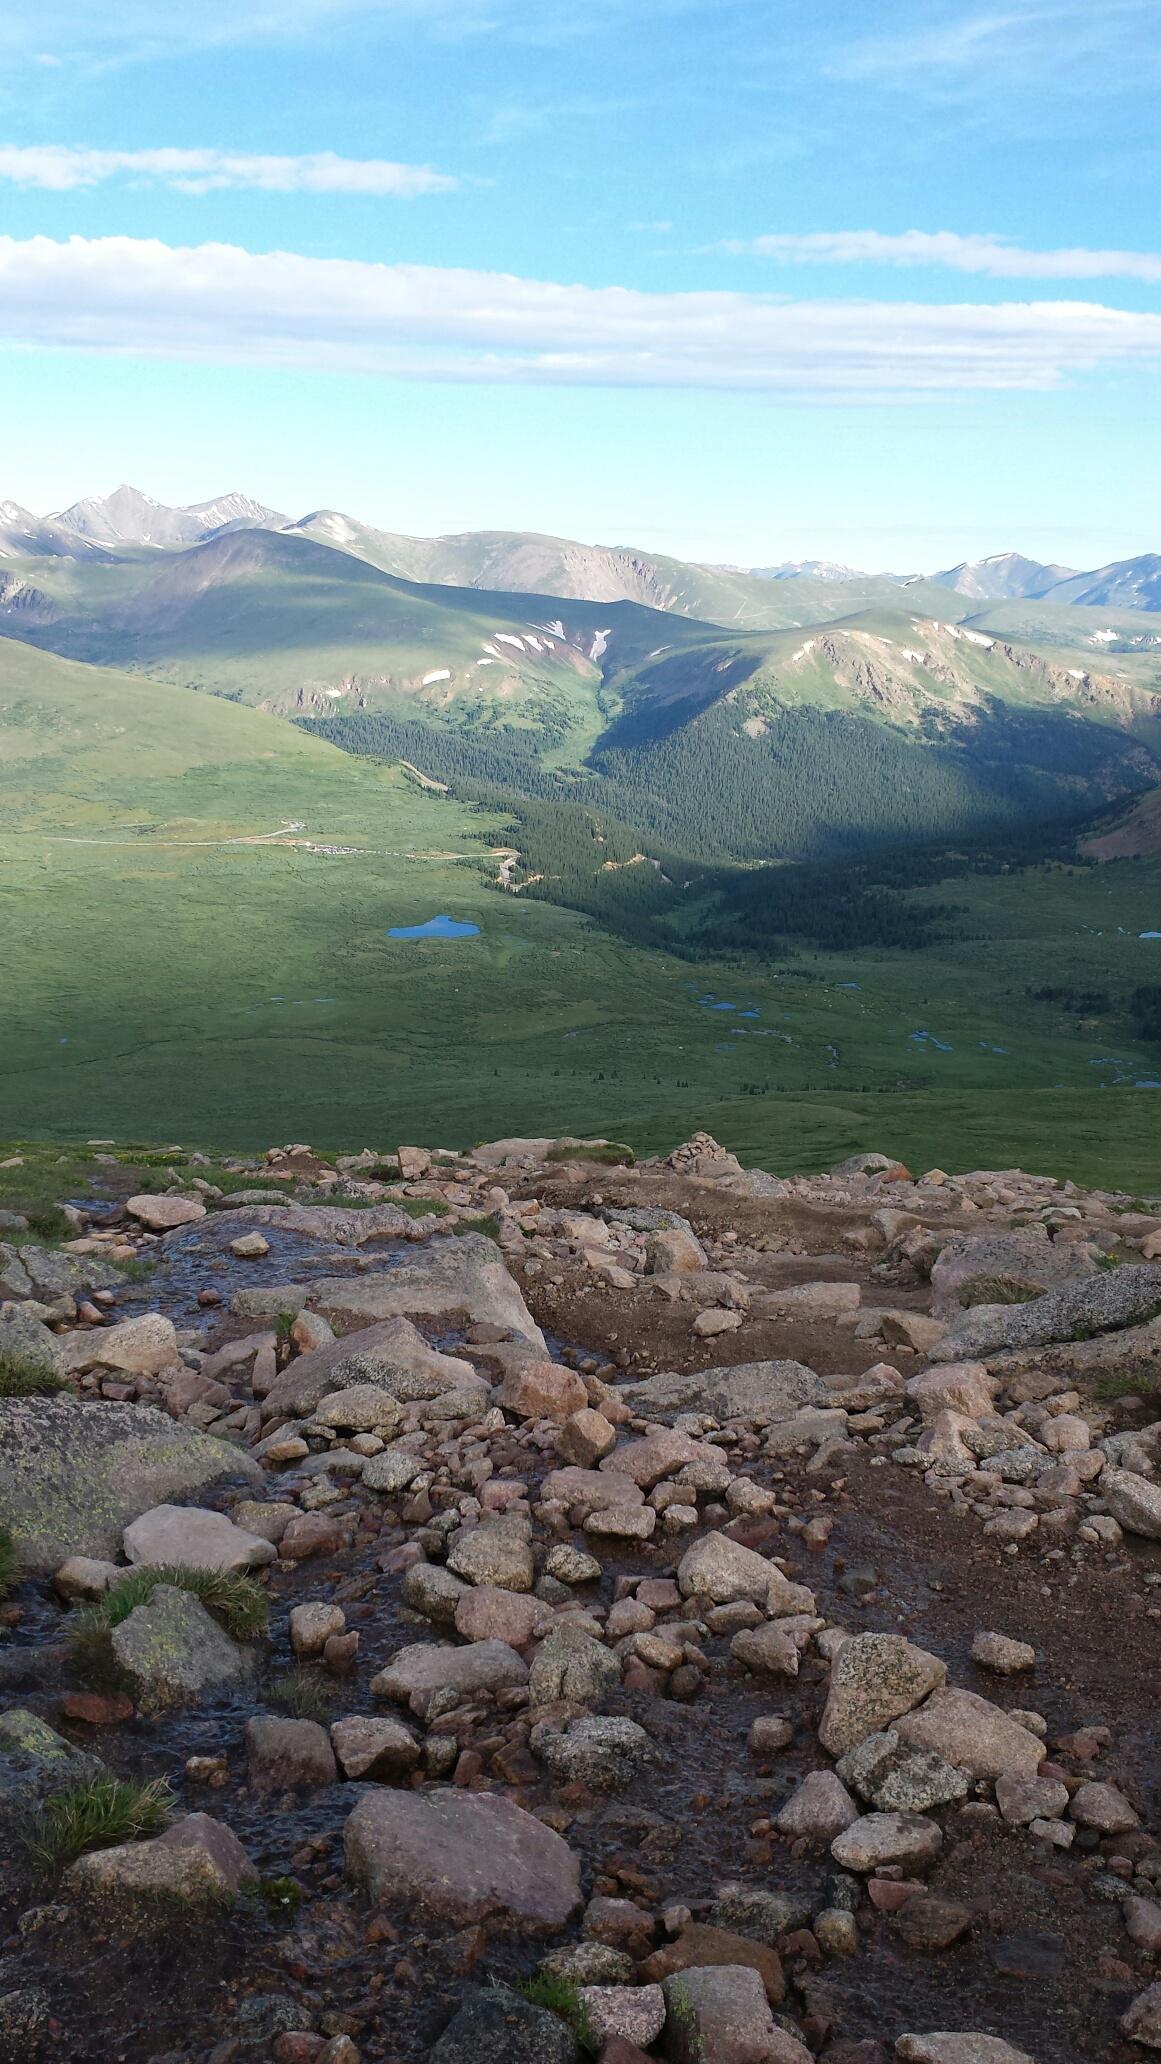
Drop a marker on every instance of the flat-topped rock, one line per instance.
(971, 1732)
(160, 1214)
(436, 1666)
(454, 1275)
(760, 1391)
(74, 1475)
(202, 1540)
(465, 1857)
(392, 1357)
(874, 1679)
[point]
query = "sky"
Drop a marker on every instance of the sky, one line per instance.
(739, 283)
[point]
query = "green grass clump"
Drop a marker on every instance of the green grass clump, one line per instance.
(49, 1222)
(234, 1598)
(9, 1562)
(997, 1290)
(614, 1154)
(561, 1996)
(100, 1814)
(302, 1695)
(421, 1207)
(18, 1381)
(485, 1224)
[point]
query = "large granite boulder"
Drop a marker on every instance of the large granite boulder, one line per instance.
(463, 1856)
(73, 1475)
(392, 1357)
(454, 1275)
(762, 1391)
(172, 1652)
(1101, 1303)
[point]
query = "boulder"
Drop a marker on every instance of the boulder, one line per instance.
(962, 1387)
(604, 1754)
(722, 1569)
(542, 1390)
(197, 1539)
(965, 2046)
(1141, 2022)
(288, 1755)
(1003, 1656)
(28, 1347)
(586, 1438)
(719, 2012)
(366, 1746)
(1101, 1303)
(453, 1275)
(633, 2013)
(819, 1810)
(464, 1857)
(899, 1779)
(173, 1652)
(73, 1475)
(487, 1613)
(977, 1268)
(760, 1391)
(393, 1357)
(498, 1552)
(973, 1733)
(35, 1762)
(874, 1679)
(501, 2026)
(1135, 1502)
(162, 1213)
(139, 1347)
(590, 1490)
(483, 1666)
(360, 1408)
(571, 1665)
(881, 1838)
(197, 1860)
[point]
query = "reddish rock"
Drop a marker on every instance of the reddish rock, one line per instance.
(543, 1390)
(700, 1947)
(310, 1533)
(97, 1708)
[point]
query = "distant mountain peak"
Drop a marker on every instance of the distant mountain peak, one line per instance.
(1002, 576)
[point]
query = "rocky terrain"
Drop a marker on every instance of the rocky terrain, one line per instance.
(527, 1607)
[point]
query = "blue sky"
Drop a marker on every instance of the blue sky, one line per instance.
(742, 283)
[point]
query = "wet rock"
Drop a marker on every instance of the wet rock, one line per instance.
(286, 1755)
(498, 2024)
(464, 1857)
(1142, 1918)
(965, 2046)
(85, 1577)
(365, 1746)
(187, 1535)
(836, 1931)
(196, 1860)
(586, 1438)
(160, 1214)
(1022, 1800)
(1103, 1807)
(393, 1358)
(453, 1275)
(172, 1652)
(761, 1391)
(604, 1754)
(571, 1665)
(542, 1390)
(996, 1652)
(139, 1347)
(73, 1475)
(699, 1946)
(899, 1779)
(309, 1534)
(311, 1626)
(719, 2012)
(483, 1666)
(634, 2012)
(1133, 1501)
(498, 1553)
(769, 1734)
(819, 1810)
(973, 1733)
(24, 2021)
(488, 1614)
(1142, 2022)
(250, 1247)
(268, 1521)
(434, 1591)
(930, 1922)
(35, 1762)
(879, 1838)
(752, 1910)
(875, 1678)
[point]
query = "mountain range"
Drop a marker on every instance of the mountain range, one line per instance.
(129, 522)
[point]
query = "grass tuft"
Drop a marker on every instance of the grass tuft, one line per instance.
(997, 1290)
(561, 1996)
(97, 1815)
(230, 1595)
(9, 1562)
(302, 1695)
(16, 1380)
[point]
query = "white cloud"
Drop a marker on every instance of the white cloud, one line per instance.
(62, 168)
(979, 254)
(221, 303)
(997, 51)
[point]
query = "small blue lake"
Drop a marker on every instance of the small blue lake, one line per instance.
(441, 927)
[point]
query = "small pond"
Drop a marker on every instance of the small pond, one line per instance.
(442, 927)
